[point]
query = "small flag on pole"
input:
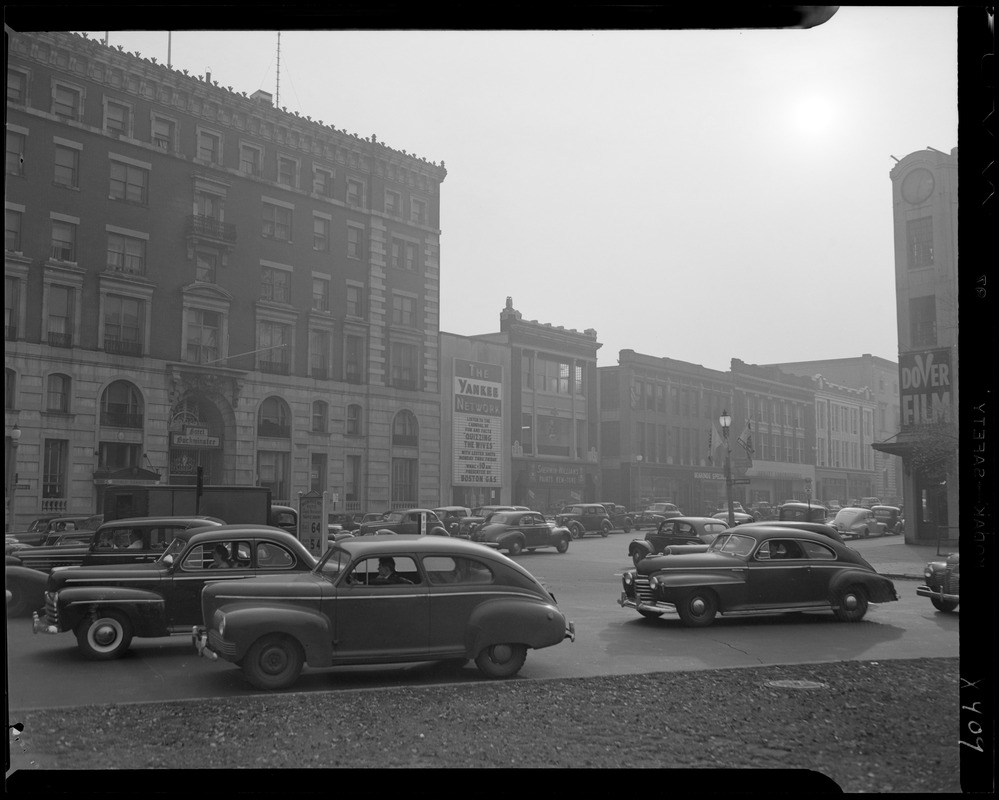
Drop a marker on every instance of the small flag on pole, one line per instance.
(746, 439)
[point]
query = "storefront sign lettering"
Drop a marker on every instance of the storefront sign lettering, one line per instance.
(925, 393)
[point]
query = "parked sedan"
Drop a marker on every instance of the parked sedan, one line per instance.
(741, 517)
(452, 516)
(943, 583)
(515, 531)
(857, 522)
(450, 600)
(757, 569)
(405, 522)
(107, 606)
(676, 531)
(654, 514)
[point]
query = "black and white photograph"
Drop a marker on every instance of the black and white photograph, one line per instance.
(574, 392)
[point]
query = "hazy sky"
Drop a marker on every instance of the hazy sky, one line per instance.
(701, 195)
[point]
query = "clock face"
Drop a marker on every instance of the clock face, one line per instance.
(917, 186)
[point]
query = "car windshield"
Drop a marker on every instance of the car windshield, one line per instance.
(503, 517)
(734, 544)
(173, 549)
(333, 563)
(395, 516)
(848, 515)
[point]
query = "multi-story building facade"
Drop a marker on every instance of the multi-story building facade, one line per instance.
(194, 278)
(925, 213)
(845, 468)
(780, 411)
(659, 432)
(880, 376)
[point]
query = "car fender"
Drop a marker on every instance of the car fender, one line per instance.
(146, 610)
(879, 588)
(639, 546)
(244, 624)
(514, 620)
(30, 582)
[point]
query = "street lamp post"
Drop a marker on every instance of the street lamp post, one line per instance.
(15, 436)
(725, 420)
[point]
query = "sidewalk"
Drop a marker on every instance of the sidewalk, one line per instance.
(901, 561)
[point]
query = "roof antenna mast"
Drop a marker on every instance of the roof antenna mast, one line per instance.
(277, 92)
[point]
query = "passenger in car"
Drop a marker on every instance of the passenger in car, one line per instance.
(220, 558)
(387, 573)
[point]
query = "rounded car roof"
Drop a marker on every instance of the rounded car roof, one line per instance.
(146, 521)
(414, 543)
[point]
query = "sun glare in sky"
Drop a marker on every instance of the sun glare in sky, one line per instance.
(813, 114)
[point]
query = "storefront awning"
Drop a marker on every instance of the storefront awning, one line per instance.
(898, 445)
(126, 476)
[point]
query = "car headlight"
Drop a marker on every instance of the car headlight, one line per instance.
(653, 583)
(629, 578)
(220, 623)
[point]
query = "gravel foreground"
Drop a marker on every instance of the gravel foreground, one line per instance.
(889, 726)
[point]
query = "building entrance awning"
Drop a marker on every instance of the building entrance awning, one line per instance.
(900, 444)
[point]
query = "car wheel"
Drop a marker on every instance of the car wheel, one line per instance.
(943, 605)
(627, 526)
(605, 528)
(852, 604)
(104, 635)
(563, 545)
(515, 547)
(698, 608)
(864, 533)
(576, 530)
(501, 660)
(273, 662)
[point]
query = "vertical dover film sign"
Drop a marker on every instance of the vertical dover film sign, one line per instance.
(925, 387)
(478, 424)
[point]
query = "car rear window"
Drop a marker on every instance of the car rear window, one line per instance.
(457, 570)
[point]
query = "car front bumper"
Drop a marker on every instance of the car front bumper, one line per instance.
(939, 594)
(199, 638)
(39, 625)
(641, 605)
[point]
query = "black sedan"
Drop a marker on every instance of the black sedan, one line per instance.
(674, 532)
(757, 569)
(409, 522)
(515, 531)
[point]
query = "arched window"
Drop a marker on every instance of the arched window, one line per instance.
(405, 429)
(121, 406)
(57, 393)
(354, 420)
(320, 416)
(274, 419)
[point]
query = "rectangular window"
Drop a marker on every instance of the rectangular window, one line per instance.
(63, 241)
(355, 193)
(410, 259)
(319, 354)
(209, 147)
(163, 134)
(274, 343)
(919, 242)
(923, 321)
(249, 159)
(128, 182)
(320, 294)
(404, 365)
(402, 310)
(123, 325)
(117, 118)
(66, 102)
(322, 182)
(61, 302)
(320, 234)
(527, 433)
(17, 86)
(353, 420)
(204, 333)
(418, 211)
(12, 231)
(273, 471)
(287, 171)
(274, 285)
(277, 222)
(205, 265)
(317, 476)
(67, 167)
(57, 394)
(11, 293)
(393, 203)
(126, 254)
(354, 359)
(355, 242)
(15, 153)
(54, 466)
(113, 456)
(355, 301)
(352, 478)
